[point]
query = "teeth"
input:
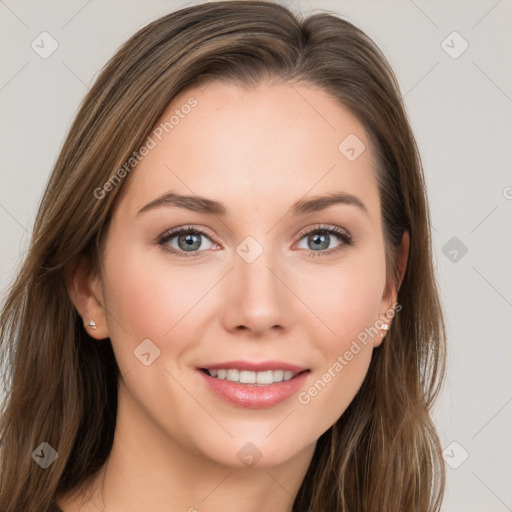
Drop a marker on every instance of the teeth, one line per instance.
(288, 375)
(278, 375)
(265, 377)
(232, 375)
(247, 377)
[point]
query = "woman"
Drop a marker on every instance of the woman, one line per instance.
(229, 300)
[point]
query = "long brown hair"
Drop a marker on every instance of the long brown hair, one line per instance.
(383, 453)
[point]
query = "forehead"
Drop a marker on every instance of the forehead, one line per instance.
(252, 147)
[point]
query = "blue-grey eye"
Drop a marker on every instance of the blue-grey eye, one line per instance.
(187, 240)
(321, 240)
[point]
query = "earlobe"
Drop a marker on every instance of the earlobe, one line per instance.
(382, 326)
(91, 324)
(86, 293)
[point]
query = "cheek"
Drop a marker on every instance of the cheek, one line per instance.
(148, 295)
(345, 299)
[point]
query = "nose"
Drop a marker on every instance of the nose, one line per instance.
(257, 300)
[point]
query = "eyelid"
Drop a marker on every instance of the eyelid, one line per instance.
(324, 227)
(189, 227)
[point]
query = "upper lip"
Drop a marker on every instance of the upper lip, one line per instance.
(255, 366)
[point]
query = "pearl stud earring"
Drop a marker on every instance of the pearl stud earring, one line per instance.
(91, 324)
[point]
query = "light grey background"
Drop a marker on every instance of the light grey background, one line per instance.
(460, 109)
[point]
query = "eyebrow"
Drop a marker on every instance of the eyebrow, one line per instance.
(211, 207)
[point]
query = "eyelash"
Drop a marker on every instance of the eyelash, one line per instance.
(330, 230)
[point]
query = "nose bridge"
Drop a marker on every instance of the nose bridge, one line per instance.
(256, 298)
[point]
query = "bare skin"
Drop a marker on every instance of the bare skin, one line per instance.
(259, 151)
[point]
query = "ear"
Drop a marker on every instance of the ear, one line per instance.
(391, 294)
(86, 293)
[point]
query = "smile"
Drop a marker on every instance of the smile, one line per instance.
(254, 385)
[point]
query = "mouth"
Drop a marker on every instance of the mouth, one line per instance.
(254, 385)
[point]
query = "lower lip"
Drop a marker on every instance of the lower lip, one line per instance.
(255, 396)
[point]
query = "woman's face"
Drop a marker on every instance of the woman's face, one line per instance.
(255, 290)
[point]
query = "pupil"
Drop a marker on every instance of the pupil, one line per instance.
(320, 240)
(192, 241)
